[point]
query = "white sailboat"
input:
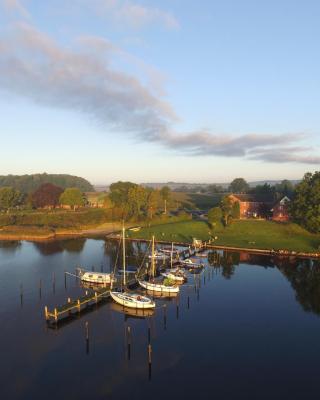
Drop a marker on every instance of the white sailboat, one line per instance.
(95, 277)
(157, 286)
(128, 299)
(175, 274)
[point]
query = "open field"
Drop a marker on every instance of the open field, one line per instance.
(192, 201)
(247, 234)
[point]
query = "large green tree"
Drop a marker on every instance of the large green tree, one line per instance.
(239, 185)
(305, 206)
(9, 198)
(72, 197)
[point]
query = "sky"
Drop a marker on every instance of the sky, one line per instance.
(156, 91)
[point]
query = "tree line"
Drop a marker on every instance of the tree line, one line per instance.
(126, 199)
(46, 195)
(29, 183)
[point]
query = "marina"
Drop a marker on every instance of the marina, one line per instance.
(219, 318)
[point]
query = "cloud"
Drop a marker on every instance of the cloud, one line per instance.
(82, 77)
(129, 13)
(35, 66)
(16, 6)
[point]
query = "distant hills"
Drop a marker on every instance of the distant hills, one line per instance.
(29, 183)
(194, 186)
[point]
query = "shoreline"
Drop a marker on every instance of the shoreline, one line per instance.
(108, 231)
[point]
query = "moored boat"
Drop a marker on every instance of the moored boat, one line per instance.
(126, 298)
(96, 277)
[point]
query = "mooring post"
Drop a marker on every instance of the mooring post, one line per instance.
(65, 280)
(46, 313)
(149, 335)
(149, 360)
(188, 303)
(54, 282)
(21, 294)
(87, 336)
(129, 342)
(79, 306)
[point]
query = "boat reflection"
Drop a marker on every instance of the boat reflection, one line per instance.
(132, 312)
(163, 294)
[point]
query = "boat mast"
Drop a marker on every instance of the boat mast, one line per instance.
(152, 258)
(124, 256)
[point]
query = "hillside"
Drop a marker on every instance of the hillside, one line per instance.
(28, 183)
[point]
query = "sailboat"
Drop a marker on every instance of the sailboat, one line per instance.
(157, 286)
(128, 299)
(95, 277)
(175, 274)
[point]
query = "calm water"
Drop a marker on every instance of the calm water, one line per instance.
(252, 331)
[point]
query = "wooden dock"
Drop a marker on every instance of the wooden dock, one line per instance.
(74, 307)
(94, 297)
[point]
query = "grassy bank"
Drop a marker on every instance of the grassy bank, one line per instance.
(34, 225)
(247, 234)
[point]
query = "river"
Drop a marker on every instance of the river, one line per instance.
(251, 330)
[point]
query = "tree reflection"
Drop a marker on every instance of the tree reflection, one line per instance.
(304, 277)
(10, 245)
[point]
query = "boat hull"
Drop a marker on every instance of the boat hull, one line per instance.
(156, 287)
(132, 300)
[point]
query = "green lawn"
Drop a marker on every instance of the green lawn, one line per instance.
(246, 233)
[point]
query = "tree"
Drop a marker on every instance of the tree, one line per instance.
(305, 206)
(239, 185)
(165, 195)
(285, 188)
(215, 189)
(47, 195)
(235, 212)
(214, 216)
(9, 198)
(226, 208)
(152, 202)
(136, 200)
(72, 197)
(264, 190)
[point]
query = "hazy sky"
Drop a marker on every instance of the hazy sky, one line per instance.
(183, 90)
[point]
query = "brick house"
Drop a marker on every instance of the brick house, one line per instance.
(255, 206)
(252, 206)
(280, 210)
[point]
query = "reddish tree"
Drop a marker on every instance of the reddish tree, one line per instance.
(47, 195)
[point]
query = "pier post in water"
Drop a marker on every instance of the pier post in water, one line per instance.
(129, 342)
(149, 360)
(21, 295)
(87, 336)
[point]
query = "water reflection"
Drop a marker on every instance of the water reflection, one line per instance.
(303, 274)
(10, 246)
